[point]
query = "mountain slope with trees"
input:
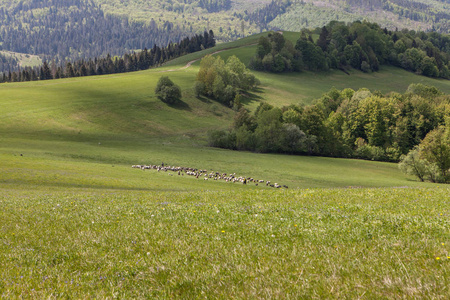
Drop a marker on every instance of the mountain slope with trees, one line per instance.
(360, 45)
(415, 15)
(72, 29)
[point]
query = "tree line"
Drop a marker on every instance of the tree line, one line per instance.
(135, 61)
(360, 45)
(342, 123)
(74, 29)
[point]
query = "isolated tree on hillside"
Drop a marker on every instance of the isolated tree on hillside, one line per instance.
(168, 91)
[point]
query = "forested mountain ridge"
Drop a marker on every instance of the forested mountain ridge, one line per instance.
(73, 29)
(416, 15)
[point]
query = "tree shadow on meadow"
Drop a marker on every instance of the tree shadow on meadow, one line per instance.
(180, 105)
(252, 96)
(204, 99)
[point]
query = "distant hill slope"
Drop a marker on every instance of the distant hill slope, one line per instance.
(74, 29)
(77, 126)
(88, 28)
(416, 15)
(232, 19)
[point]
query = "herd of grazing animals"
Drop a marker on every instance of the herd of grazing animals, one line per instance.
(199, 173)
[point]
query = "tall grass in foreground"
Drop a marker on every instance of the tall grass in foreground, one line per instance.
(322, 243)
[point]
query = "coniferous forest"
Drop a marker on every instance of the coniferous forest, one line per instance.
(135, 61)
(76, 29)
(69, 30)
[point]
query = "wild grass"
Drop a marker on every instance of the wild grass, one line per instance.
(320, 243)
(76, 221)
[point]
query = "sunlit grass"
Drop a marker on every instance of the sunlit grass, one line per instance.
(338, 243)
(76, 221)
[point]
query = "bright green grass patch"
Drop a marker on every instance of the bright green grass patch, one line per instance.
(106, 163)
(251, 40)
(119, 105)
(334, 243)
(76, 220)
(297, 88)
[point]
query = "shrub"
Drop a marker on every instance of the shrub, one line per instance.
(167, 91)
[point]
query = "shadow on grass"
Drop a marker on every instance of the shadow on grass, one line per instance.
(204, 99)
(252, 96)
(181, 105)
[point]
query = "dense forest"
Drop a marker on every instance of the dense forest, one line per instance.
(360, 45)
(82, 29)
(108, 65)
(215, 5)
(73, 29)
(263, 16)
(413, 10)
(347, 123)
(416, 15)
(8, 62)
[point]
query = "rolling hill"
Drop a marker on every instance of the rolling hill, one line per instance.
(117, 119)
(77, 221)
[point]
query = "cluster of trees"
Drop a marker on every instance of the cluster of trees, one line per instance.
(167, 91)
(360, 45)
(108, 65)
(224, 81)
(276, 54)
(74, 29)
(347, 123)
(430, 160)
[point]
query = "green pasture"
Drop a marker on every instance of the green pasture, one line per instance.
(302, 88)
(319, 243)
(76, 221)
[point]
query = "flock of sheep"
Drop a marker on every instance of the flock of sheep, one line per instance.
(198, 173)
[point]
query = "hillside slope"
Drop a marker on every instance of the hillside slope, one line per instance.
(83, 125)
(419, 15)
(73, 29)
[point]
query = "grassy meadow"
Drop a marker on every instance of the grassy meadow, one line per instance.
(319, 243)
(76, 221)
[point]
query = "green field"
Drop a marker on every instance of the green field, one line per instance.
(76, 221)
